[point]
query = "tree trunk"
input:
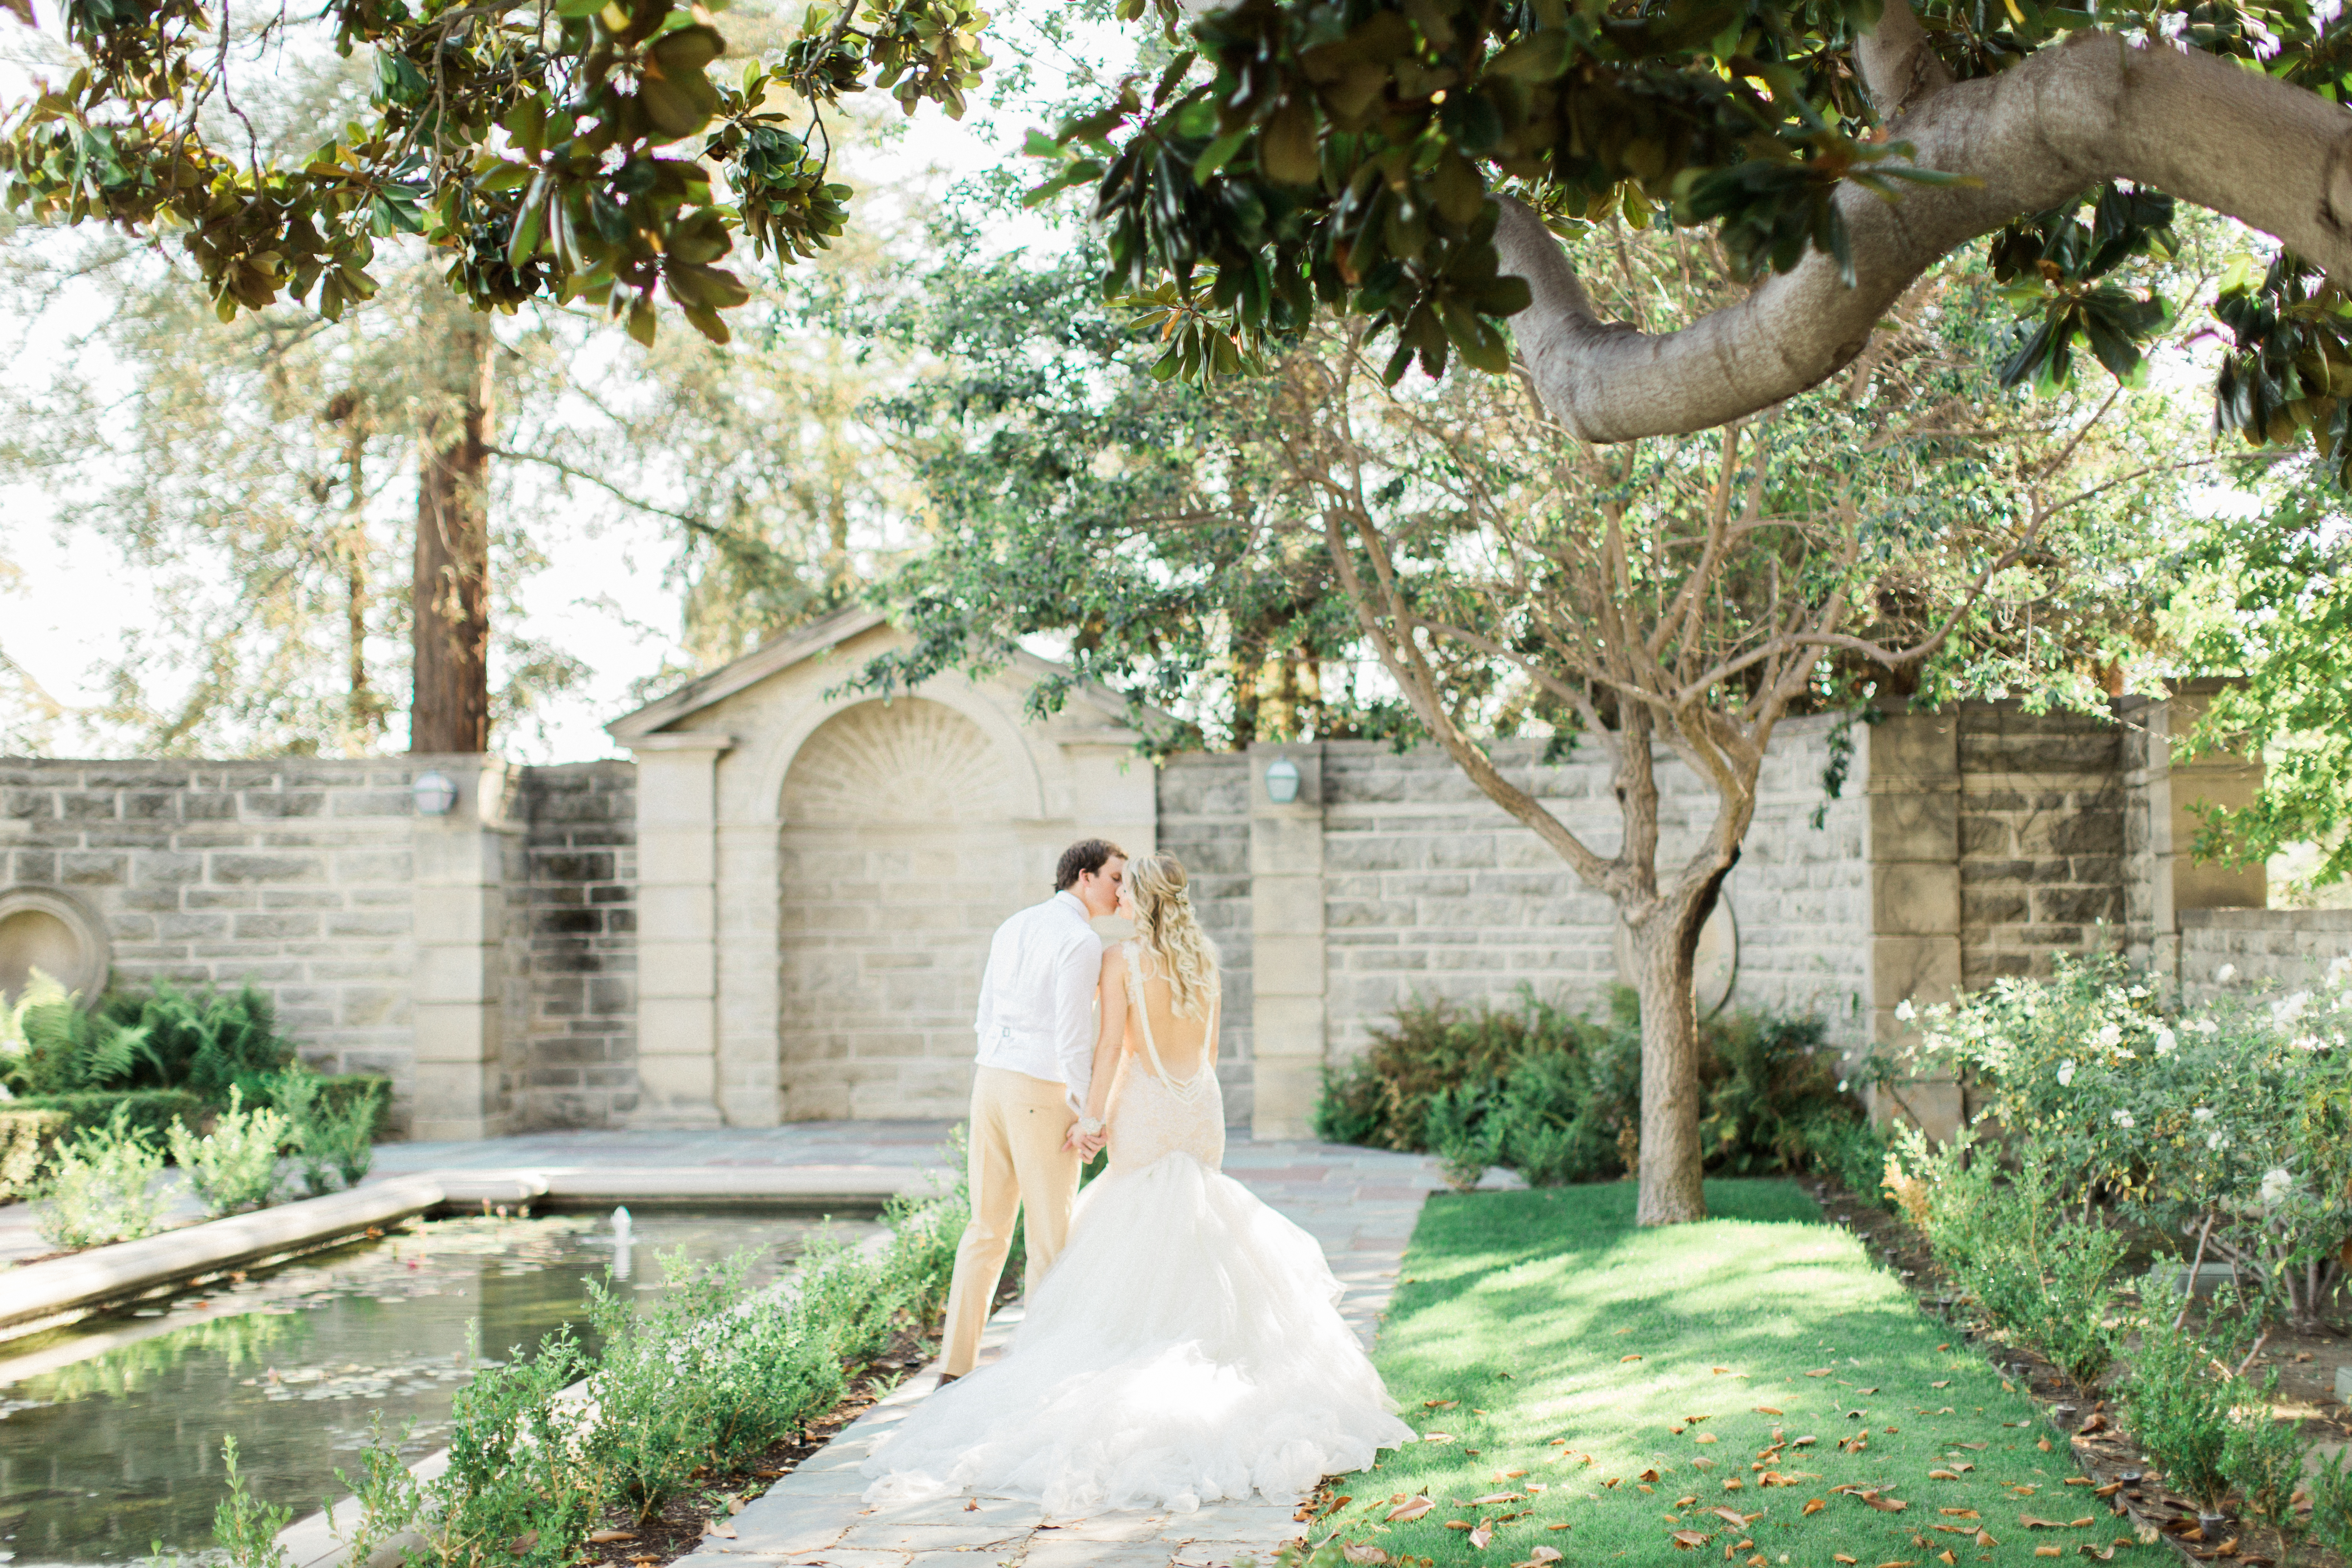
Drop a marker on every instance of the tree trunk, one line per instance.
(451, 707)
(1664, 948)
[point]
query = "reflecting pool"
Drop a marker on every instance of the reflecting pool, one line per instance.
(111, 1430)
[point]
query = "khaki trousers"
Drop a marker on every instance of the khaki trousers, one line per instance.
(1017, 1162)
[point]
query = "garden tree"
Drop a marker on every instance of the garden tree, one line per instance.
(1394, 159)
(270, 471)
(1912, 529)
(1077, 498)
(1407, 160)
(2269, 601)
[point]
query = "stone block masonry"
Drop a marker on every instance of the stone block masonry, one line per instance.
(294, 874)
(571, 950)
(485, 965)
(1204, 821)
(2261, 952)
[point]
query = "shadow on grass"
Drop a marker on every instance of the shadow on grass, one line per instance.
(1534, 1329)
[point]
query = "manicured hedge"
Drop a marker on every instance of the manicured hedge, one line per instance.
(151, 1110)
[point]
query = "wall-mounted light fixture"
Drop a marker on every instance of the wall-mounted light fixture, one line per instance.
(436, 793)
(1282, 781)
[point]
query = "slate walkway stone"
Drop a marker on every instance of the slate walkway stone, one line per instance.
(1359, 1204)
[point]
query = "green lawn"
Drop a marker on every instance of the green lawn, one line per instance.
(1547, 1315)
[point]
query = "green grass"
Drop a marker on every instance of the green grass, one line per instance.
(1523, 1308)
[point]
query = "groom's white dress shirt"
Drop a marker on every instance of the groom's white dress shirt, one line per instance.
(1036, 999)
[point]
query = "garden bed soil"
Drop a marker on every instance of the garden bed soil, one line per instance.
(2116, 1469)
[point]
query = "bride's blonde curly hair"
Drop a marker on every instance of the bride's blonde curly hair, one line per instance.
(1165, 925)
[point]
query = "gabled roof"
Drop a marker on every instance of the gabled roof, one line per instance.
(813, 641)
(770, 657)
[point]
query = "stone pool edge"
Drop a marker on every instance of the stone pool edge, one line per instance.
(62, 1290)
(36, 1296)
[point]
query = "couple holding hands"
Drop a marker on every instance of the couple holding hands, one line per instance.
(1182, 1342)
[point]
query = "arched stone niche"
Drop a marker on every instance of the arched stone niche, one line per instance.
(900, 855)
(41, 928)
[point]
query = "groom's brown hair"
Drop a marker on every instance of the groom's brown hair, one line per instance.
(1086, 855)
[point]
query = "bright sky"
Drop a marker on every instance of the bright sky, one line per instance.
(601, 597)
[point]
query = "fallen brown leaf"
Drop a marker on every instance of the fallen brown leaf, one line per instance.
(2087, 1550)
(719, 1527)
(523, 1542)
(972, 1506)
(1480, 1536)
(1945, 1555)
(1491, 1499)
(1945, 1384)
(1802, 1442)
(2043, 1445)
(1648, 1476)
(1979, 1448)
(1437, 1436)
(1412, 1508)
(1841, 1557)
(598, 1537)
(1954, 1529)
(1859, 1390)
(1985, 1538)
(1883, 1504)
(1823, 1372)
(2110, 1489)
(1765, 1410)
(2048, 1551)
(1735, 1484)
(1509, 1475)
(1353, 1552)
(1730, 1516)
(1439, 1404)
(1957, 1513)
(1626, 1358)
(1814, 1505)
(1942, 1475)
(1704, 1438)
(1544, 1554)
(1459, 1524)
(1689, 1539)
(2031, 1522)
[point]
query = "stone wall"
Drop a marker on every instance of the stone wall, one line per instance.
(1431, 892)
(2042, 838)
(292, 874)
(2267, 949)
(571, 945)
(304, 876)
(1204, 821)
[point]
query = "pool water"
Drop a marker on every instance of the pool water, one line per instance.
(111, 1430)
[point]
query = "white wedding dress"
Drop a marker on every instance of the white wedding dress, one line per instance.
(1186, 1347)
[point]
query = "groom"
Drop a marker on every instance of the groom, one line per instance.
(1037, 1059)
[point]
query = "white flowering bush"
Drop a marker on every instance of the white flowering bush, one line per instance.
(2229, 1125)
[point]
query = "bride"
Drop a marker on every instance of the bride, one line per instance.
(1187, 1345)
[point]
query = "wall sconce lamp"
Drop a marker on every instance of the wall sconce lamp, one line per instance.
(1282, 781)
(436, 793)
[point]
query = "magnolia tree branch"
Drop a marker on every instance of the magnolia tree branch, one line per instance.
(2200, 128)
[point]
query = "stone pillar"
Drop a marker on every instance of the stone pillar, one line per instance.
(460, 912)
(2161, 794)
(1286, 975)
(678, 928)
(1913, 763)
